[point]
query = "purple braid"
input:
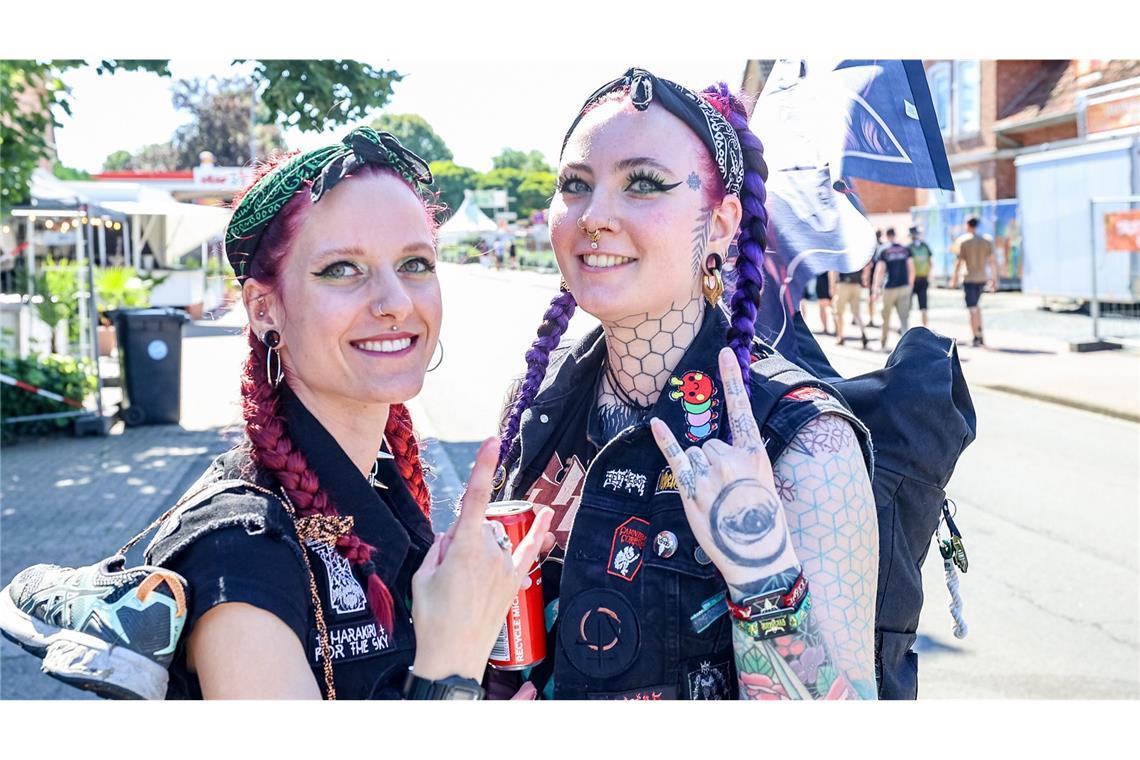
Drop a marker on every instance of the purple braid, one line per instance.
(554, 324)
(753, 237)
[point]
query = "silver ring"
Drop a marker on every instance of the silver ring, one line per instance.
(504, 542)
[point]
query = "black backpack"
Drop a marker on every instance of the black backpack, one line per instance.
(921, 419)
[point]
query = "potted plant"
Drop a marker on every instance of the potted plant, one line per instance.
(117, 288)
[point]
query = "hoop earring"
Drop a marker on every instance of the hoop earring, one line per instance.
(594, 235)
(439, 343)
(272, 341)
(711, 283)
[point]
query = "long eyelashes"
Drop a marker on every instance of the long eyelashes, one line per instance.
(341, 270)
(337, 270)
(648, 182)
(639, 182)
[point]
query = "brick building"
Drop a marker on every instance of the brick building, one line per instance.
(990, 112)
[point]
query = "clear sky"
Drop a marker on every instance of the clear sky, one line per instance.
(477, 106)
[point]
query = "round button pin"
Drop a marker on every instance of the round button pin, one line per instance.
(665, 544)
(700, 556)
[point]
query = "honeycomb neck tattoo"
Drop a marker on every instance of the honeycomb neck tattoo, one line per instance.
(641, 352)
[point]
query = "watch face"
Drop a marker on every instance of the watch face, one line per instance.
(462, 692)
(461, 688)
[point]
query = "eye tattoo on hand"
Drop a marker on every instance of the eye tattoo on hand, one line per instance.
(745, 525)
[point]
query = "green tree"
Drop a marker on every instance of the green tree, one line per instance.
(450, 180)
(32, 94)
(66, 172)
(532, 161)
(222, 111)
(507, 178)
(416, 134)
(534, 193)
(117, 161)
(311, 95)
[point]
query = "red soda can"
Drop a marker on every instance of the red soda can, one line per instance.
(522, 641)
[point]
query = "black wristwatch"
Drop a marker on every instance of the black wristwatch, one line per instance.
(452, 687)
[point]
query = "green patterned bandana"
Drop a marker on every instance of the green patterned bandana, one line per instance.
(324, 167)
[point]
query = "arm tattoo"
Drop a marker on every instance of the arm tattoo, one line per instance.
(831, 516)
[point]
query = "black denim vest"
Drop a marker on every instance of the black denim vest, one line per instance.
(639, 609)
(367, 662)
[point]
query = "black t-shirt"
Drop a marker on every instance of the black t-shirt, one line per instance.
(895, 257)
(227, 562)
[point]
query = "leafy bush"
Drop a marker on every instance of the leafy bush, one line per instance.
(120, 288)
(64, 375)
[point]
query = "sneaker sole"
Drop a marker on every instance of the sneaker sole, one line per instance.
(82, 660)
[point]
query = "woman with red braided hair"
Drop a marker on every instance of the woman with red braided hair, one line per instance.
(712, 541)
(303, 563)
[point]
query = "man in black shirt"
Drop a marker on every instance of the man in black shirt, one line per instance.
(896, 265)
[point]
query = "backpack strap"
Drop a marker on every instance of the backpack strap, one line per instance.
(785, 397)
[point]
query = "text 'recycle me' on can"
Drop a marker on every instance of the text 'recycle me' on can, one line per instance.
(522, 641)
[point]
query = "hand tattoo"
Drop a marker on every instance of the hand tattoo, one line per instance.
(745, 524)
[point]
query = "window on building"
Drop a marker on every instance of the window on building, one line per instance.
(967, 95)
(939, 77)
(967, 187)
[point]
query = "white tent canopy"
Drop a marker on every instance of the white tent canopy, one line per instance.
(171, 228)
(467, 221)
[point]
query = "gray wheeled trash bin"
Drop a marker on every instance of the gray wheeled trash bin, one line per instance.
(150, 364)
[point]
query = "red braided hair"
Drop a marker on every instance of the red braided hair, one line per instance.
(271, 447)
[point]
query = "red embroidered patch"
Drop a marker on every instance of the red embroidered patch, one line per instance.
(627, 549)
(807, 393)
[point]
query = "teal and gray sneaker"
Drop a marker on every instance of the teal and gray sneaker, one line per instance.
(104, 628)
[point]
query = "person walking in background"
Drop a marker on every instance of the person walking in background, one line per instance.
(849, 291)
(920, 252)
(873, 295)
(897, 268)
(823, 288)
(512, 257)
(977, 254)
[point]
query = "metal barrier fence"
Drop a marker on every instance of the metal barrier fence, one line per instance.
(1115, 265)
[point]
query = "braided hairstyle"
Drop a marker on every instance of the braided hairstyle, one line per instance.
(753, 236)
(273, 450)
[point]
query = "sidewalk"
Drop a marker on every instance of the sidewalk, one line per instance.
(73, 501)
(1031, 364)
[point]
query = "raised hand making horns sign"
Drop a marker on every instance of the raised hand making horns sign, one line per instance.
(729, 493)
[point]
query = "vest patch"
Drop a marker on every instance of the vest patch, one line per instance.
(697, 393)
(666, 482)
(710, 682)
(560, 488)
(352, 641)
(626, 481)
(600, 633)
(807, 393)
(346, 595)
(648, 693)
(628, 549)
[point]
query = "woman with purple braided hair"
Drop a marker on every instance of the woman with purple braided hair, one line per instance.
(713, 540)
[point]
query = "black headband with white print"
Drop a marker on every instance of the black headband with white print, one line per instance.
(707, 122)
